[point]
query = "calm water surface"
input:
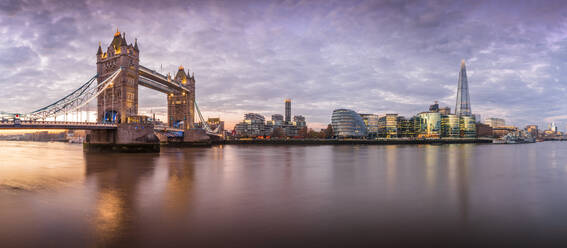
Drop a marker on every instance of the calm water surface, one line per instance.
(54, 195)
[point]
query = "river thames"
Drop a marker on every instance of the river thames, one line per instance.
(54, 195)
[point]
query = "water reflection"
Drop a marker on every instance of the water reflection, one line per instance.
(459, 165)
(282, 195)
(113, 180)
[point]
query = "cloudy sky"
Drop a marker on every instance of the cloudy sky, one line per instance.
(248, 56)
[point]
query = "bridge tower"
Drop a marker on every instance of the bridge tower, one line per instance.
(181, 105)
(119, 101)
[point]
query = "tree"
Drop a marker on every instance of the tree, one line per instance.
(329, 132)
(312, 134)
(302, 132)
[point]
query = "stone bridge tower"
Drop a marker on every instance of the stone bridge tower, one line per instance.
(181, 105)
(119, 101)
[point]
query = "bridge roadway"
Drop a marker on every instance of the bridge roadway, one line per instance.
(23, 124)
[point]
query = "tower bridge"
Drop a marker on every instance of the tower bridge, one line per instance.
(115, 90)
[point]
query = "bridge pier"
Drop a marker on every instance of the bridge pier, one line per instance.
(128, 137)
(196, 135)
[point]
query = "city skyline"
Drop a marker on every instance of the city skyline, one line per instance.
(373, 57)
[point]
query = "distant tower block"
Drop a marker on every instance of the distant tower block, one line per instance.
(463, 106)
(287, 110)
(120, 100)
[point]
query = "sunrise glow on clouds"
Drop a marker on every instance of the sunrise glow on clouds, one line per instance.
(248, 56)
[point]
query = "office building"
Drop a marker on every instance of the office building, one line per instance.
(532, 130)
(483, 130)
(434, 107)
(477, 118)
(348, 124)
(463, 105)
(405, 127)
(278, 119)
(495, 122)
(445, 111)
(287, 111)
(371, 122)
(252, 126)
(388, 126)
(468, 126)
(299, 121)
(450, 126)
(430, 125)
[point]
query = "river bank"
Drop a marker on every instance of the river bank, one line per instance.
(348, 141)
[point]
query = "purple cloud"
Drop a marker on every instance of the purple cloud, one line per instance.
(371, 56)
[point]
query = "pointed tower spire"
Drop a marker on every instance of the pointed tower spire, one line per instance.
(99, 52)
(463, 105)
(136, 44)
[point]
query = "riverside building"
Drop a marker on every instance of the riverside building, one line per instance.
(430, 125)
(252, 126)
(388, 126)
(287, 111)
(467, 126)
(347, 123)
(495, 122)
(450, 126)
(371, 122)
(255, 126)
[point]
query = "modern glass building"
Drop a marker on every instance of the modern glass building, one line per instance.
(450, 126)
(416, 126)
(348, 124)
(388, 126)
(430, 125)
(405, 127)
(463, 106)
(468, 126)
(371, 121)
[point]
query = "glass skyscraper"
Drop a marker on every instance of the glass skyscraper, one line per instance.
(463, 106)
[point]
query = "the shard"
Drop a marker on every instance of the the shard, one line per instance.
(463, 107)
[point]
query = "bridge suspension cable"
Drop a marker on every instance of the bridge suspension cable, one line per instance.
(205, 124)
(75, 100)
